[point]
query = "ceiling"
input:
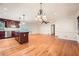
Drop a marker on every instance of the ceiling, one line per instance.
(52, 10)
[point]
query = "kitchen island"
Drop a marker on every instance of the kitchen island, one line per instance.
(21, 37)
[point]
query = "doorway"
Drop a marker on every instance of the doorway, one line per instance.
(53, 29)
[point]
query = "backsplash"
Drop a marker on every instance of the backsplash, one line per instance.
(2, 25)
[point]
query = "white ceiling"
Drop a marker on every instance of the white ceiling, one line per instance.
(52, 10)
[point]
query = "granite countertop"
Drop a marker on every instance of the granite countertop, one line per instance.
(2, 30)
(15, 31)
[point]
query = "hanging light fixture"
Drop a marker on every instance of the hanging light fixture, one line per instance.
(22, 19)
(41, 17)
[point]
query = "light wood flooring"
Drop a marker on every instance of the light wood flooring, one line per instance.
(39, 45)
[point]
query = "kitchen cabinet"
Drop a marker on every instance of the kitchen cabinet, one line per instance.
(2, 34)
(11, 24)
(22, 37)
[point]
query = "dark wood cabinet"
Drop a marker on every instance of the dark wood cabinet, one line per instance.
(2, 34)
(7, 23)
(14, 34)
(22, 37)
(11, 24)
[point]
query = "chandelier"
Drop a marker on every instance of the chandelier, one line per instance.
(41, 17)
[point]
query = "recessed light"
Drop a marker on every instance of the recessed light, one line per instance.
(54, 13)
(5, 9)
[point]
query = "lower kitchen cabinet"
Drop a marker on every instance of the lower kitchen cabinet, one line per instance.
(2, 34)
(22, 37)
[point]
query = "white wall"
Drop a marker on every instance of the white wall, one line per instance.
(33, 28)
(66, 28)
(45, 29)
(39, 28)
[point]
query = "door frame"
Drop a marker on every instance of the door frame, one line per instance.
(53, 29)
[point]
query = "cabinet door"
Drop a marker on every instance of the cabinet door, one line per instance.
(2, 34)
(11, 24)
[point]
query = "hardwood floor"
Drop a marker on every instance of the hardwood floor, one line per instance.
(39, 45)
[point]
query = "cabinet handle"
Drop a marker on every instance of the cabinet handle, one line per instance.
(24, 35)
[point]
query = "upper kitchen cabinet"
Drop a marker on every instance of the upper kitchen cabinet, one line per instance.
(12, 24)
(7, 23)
